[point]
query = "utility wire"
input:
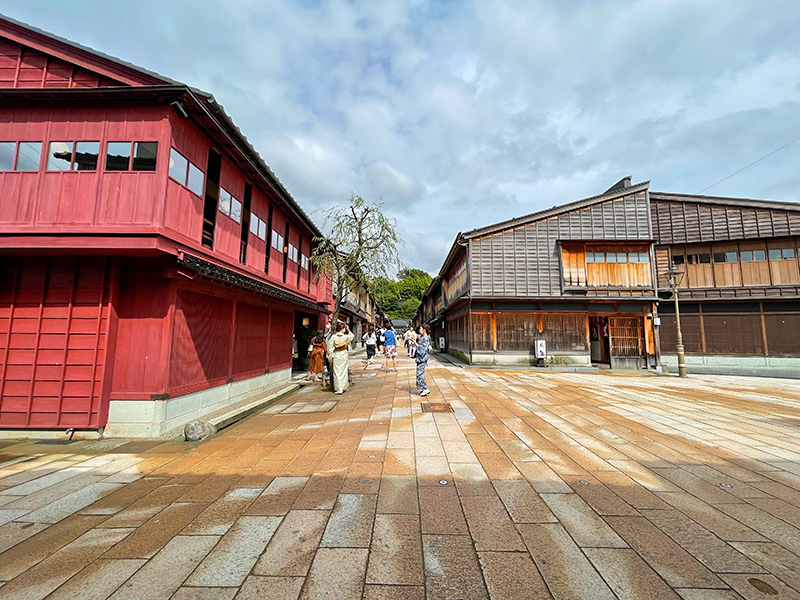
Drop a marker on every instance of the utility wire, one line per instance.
(750, 165)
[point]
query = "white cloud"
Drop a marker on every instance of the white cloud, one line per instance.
(461, 114)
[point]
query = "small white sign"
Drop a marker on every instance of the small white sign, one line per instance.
(441, 343)
(541, 348)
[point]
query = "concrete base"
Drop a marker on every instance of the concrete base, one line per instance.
(513, 360)
(154, 418)
(49, 434)
(758, 366)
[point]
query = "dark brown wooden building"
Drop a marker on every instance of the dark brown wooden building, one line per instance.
(578, 276)
(740, 297)
(583, 278)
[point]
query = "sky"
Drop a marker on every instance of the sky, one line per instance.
(460, 114)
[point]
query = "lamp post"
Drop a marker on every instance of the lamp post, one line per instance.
(674, 277)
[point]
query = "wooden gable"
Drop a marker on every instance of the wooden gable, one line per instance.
(31, 58)
(524, 259)
(24, 67)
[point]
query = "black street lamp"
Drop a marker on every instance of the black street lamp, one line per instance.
(674, 278)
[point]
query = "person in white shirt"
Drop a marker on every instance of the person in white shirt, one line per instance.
(370, 341)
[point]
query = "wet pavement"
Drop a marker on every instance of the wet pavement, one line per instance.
(537, 485)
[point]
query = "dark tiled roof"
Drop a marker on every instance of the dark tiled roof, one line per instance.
(225, 275)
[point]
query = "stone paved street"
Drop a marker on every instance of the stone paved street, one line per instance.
(536, 486)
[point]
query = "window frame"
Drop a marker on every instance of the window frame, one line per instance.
(186, 174)
(17, 153)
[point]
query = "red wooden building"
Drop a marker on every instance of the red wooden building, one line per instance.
(152, 267)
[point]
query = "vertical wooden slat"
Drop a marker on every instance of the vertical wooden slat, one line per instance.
(97, 337)
(73, 289)
(269, 337)
(232, 343)
(702, 329)
(7, 349)
(110, 335)
(37, 343)
(19, 67)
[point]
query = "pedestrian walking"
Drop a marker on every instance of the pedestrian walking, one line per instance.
(381, 339)
(423, 349)
(370, 341)
(411, 342)
(317, 352)
(327, 337)
(390, 346)
(338, 356)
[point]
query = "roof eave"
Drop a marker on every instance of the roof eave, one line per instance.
(722, 200)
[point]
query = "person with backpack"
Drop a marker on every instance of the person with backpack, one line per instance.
(423, 350)
(381, 339)
(370, 340)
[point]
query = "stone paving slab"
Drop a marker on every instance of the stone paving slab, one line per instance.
(538, 485)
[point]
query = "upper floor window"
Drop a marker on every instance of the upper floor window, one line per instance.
(725, 257)
(131, 156)
(258, 227)
(72, 156)
(617, 257)
(753, 255)
(779, 254)
(7, 152)
(29, 156)
(229, 205)
(698, 259)
(293, 253)
(304, 262)
(25, 156)
(185, 172)
(595, 257)
(277, 241)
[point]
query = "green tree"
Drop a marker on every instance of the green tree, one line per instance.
(408, 308)
(399, 298)
(361, 247)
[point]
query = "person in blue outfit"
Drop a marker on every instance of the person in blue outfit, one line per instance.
(390, 346)
(423, 349)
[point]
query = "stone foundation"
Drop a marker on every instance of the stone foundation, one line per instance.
(153, 418)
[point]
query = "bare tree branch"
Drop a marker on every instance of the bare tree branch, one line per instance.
(362, 245)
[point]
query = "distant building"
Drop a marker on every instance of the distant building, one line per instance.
(582, 277)
(152, 267)
(400, 323)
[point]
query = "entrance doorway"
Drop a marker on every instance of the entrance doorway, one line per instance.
(305, 328)
(617, 341)
(626, 337)
(599, 341)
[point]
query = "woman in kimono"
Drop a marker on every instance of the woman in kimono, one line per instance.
(423, 349)
(337, 356)
(318, 349)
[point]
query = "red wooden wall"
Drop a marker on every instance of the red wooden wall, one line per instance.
(53, 332)
(105, 200)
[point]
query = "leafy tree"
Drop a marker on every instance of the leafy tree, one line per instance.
(399, 298)
(409, 308)
(361, 246)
